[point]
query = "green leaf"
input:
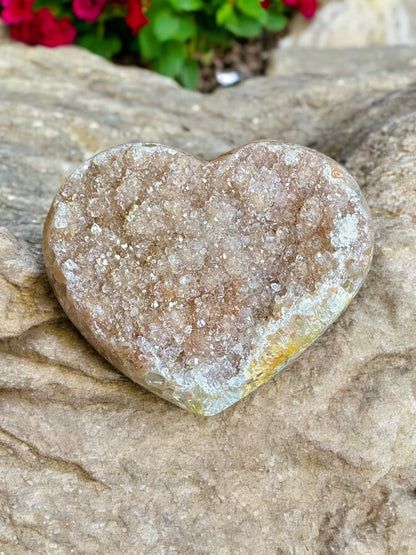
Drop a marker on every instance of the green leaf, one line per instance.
(106, 47)
(149, 46)
(165, 25)
(186, 5)
(186, 29)
(275, 22)
(189, 74)
(244, 26)
(210, 35)
(225, 14)
(253, 9)
(171, 59)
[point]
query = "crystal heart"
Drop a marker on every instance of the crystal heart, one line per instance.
(201, 279)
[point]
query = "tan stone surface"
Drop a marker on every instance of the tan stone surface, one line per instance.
(372, 61)
(322, 459)
(355, 23)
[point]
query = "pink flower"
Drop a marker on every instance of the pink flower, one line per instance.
(58, 32)
(305, 7)
(265, 4)
(43, 28)
(16, 11)
(89, 10)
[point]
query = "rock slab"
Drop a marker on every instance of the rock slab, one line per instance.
(89, 461)
(355, 23)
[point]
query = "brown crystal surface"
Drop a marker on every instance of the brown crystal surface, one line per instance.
(200, 280)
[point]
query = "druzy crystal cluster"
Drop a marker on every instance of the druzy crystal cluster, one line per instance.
(201, 279)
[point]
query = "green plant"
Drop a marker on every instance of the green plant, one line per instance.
(170, 36)
(180, 30)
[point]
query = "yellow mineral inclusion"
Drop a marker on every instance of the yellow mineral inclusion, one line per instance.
(196, 405)
(273, 358)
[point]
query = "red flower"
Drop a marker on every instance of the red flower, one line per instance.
(135, 18)
(16, 11)
(43, 28)
(305, 7)
(265, 4)
(58, 32)
(89, 10)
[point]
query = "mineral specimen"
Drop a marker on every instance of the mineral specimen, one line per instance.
(201, 279)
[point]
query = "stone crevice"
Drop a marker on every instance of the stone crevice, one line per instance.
(55, 462)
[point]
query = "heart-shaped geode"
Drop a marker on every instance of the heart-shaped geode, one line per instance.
(200, 280)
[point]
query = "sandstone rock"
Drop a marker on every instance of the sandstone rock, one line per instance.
(355, 23)
(319, 461)
(369, 61)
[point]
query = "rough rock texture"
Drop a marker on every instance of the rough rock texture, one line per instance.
(202, 279)
(374, 60)
(322, 459)
(355, 23)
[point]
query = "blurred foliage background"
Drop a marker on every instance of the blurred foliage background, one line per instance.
(173, 37)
